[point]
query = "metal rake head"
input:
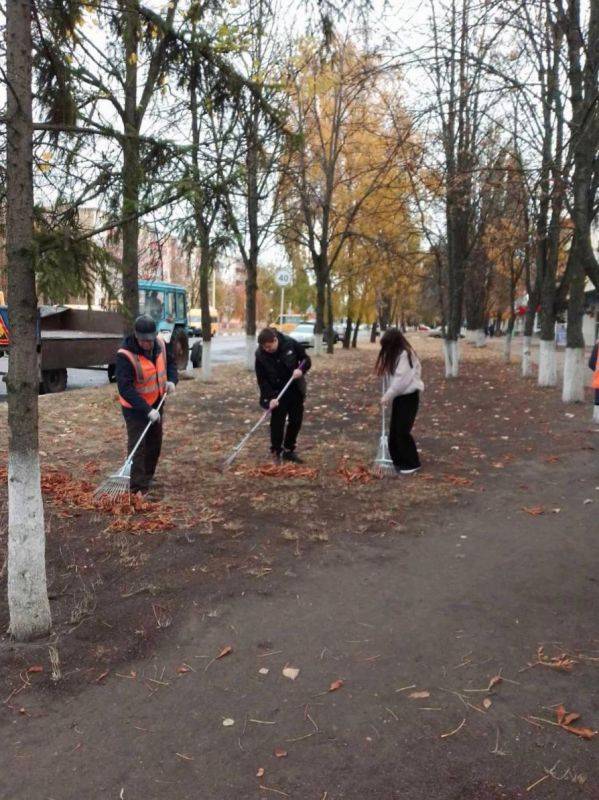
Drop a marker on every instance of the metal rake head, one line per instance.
(113, 488)
(228, 461)
(383, 465)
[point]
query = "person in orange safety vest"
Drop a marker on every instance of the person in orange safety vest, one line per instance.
(145, 371)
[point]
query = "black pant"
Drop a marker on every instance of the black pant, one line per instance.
(146, 457)
(402, 446)
(290, 410)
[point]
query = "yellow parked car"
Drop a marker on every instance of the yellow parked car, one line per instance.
(289, 322)
(195, 321)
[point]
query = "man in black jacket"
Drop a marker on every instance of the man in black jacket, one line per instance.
(145, 371)
(278, 358)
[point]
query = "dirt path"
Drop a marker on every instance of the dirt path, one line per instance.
(433, 586)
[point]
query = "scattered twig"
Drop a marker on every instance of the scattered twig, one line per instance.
(496, 751)
(300, 738)
(158, 683)
(272, 789)
(455, 730)
(536, 783)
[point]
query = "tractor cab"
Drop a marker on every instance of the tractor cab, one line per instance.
(167, 304)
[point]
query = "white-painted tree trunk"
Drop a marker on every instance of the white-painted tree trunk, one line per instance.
(547, 363)
(450, 349)
(318, 345)
(27, 589)
(527, 357)
(470, 336)
(480, 338)
(250, 352)
(596, 414)
(574, 375)
(507, 348)
(206, 361)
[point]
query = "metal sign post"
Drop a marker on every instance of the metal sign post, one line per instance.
(283, 278)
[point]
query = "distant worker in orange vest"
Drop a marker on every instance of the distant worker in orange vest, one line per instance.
(145, 372)
(594, 365)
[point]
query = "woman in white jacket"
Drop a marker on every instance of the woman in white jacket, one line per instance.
(399, 366)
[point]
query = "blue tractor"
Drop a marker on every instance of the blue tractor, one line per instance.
(167, 304)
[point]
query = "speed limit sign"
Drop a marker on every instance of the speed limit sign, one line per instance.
(283, 277)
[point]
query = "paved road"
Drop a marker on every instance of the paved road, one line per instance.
(226, 350)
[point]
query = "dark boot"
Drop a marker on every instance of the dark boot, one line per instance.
(291, 455)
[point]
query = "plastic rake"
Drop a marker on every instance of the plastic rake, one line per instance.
(238, 448)
(383, 465)
(119, 483)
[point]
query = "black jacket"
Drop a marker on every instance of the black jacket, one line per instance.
(273, 370)
(125, 376)
(593, 358)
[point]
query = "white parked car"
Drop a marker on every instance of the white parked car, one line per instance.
(304, 333)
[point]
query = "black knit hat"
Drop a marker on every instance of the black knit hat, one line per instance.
(145, 328)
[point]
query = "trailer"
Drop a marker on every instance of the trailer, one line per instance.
(71, 338)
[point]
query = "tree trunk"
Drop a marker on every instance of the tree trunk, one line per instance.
(348, 322)
(354, 342)
(251, 263)
(574, 364)
(450, 350)
(206, 267)
(131, 173)
(202, 230)
(330, 327)
(321, 293)
(373, 332)
(27, 590)
(529, 324)
(509, 335)
(347, 334)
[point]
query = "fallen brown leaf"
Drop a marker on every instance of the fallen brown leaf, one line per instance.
(225, 651)
(419, 695)
(336, 685)
(280, 753)
(564, 720)
(534, 511)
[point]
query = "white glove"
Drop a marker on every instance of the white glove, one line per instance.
(153, 415)
(170, 387)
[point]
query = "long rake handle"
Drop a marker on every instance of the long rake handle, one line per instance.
(383, 415)
(145, 430)
(268, 411)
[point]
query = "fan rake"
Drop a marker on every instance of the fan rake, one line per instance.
(119, 483)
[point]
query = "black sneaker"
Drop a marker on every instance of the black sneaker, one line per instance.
(291, 455)
(275, 457)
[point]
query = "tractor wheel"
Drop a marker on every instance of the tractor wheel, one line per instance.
(53, 380)
(196, 355)
(180, 348)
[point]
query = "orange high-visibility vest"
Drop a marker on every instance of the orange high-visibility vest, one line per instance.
(150, 377)
(596, 373)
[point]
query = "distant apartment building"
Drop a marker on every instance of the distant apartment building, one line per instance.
(161, 256)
